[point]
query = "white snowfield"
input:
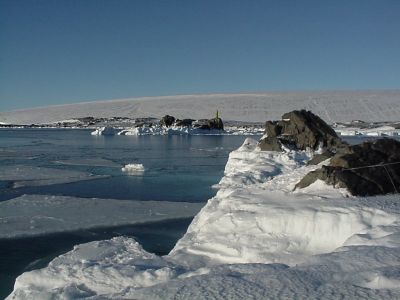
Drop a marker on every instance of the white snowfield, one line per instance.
(378, 131)
(256, 239)
(332, 106)
(31, 215)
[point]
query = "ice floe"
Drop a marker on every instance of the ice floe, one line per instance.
(30, 215)
(23, 175)
(133, 169)
(97, 162)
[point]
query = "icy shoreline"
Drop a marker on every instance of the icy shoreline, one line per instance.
(257, 238)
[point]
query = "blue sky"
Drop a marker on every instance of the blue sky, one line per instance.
(54, 52)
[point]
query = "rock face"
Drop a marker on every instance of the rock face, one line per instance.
(299, 130)
(370, 168)
(208, 124)
(167, 120)
(215, 123)
(184, 122)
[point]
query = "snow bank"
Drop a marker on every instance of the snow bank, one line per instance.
(257, 218)
(22, 175)
(133, 169)
(256, 239)
(104, 131)
(36, 214)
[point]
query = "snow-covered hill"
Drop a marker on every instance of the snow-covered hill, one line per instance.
(332, 106)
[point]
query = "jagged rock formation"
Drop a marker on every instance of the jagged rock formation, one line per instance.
(299, 130)
(184, 122)
(215, 123)
(370, 168)
(208, 124)
(167, 121)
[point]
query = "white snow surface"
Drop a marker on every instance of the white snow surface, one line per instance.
(30, 215)
(256, 239)
(378, 131)
(331, 106)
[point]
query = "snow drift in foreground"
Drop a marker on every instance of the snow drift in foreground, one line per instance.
(30, 215)
(256, 239)
(332, 106)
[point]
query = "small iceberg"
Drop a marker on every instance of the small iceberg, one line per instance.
(133, 169)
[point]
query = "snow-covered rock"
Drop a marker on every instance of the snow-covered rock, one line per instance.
(172, 130)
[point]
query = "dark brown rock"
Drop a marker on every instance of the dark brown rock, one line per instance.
(208, 124)
(184, 122)
(318, 158)
(300, 129)
(167, 120)
(371, 168)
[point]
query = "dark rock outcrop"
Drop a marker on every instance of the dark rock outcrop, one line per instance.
(215, 123)
(299, 129)
(167, 120)
(184, 122)
(370, 168)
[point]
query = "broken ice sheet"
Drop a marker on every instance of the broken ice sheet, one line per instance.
(30, 215)
(96, 162)
(38, 176)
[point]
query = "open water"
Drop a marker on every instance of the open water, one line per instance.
(178, 168)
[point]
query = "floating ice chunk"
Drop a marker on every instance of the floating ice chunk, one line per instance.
(133, 169)
(23, 175)
(104, 131)
(39, 214)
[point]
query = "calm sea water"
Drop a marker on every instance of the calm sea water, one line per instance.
(178, 168)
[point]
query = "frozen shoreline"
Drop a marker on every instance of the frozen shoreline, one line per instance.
(256, 238)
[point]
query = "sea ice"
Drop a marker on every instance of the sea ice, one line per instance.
(23, 175)
(258, 238)
(97, 162)
(30, 215)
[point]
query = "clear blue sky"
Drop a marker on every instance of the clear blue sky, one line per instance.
(54, 52)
